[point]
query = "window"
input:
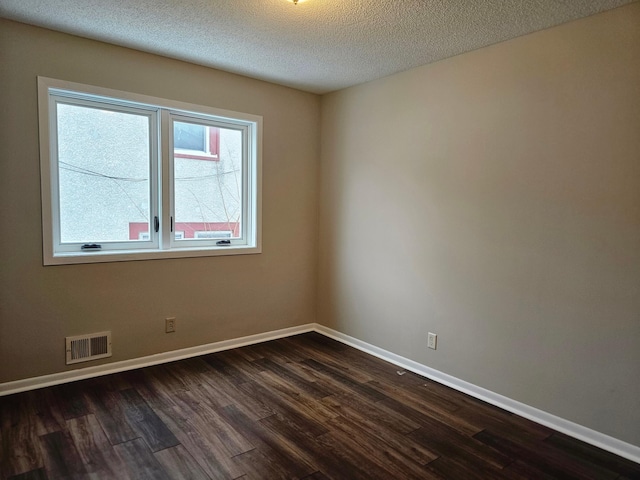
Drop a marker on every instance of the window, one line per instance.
(131, 177)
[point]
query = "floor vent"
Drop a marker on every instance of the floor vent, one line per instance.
(83, 348)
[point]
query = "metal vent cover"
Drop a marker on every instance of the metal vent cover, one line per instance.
(83, 348)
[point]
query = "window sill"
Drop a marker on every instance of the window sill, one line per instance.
(137, 255)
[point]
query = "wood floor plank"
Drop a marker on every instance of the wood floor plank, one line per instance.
(527, 472)
(215, 463)
(61, 458)
(234, 359)
(347, 450)
(419, 401)
(153, 391)
(440, 438)
(180, 376)
(296, 399)
(299, 417)
(161, 388)
(48, 417)
(231, 372)
(383, 425)
(165, 375)
(21, 450)
(316, 476)
(39, 474)
(548, 460)
(204, 446)
(278, 349)
(146, 422)
(318, 343)
(401, 385)
(258, 466)
(473, 408)
(344, 379)
(254, 352)
(477, 411)
(310, 388)
(97, 454)
(454, 468)
(140, 461)
(117, 382)
(71, 400)
(110, 413)
(208, 423)
(447, 442)
(281, 454)
(594, 456)
(374, 446)
(349, 404)
(323, 452)
(180, 465)
(509, 426)
(207, 454)
(254, 408)
(387, 374)
(312, 376)
(338, 366)
(223, 392)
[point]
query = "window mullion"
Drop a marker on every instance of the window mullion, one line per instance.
(155, 176)
(165, 165)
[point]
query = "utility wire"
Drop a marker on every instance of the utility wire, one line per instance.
(91, 173)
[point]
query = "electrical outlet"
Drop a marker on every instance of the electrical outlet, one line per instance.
(432, 341)
(170, 324)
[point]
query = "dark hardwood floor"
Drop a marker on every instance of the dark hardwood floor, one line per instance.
(305, 407)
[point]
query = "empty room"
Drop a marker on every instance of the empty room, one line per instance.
(314, 239)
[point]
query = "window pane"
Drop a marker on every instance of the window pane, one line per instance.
(189, 136)
(208, 193)
(103, 169)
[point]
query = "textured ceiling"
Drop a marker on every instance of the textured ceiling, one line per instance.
(317, 46)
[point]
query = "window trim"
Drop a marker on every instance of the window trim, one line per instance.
(167, 247)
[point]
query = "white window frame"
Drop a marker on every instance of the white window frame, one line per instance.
(246, 228)
(161, 244)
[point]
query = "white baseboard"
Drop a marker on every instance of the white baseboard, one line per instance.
(115, 367)
(567, 427)
(572, 429)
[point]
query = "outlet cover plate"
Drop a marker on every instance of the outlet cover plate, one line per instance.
(432, 341)
(170, 324)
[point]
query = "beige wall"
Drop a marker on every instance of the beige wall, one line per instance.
(494, 199)
(213, 298)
